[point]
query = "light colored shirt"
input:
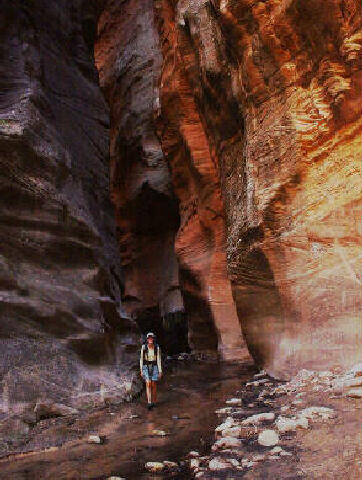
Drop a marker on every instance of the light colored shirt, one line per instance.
(151, 356)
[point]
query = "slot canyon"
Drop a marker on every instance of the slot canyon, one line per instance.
(188, 167)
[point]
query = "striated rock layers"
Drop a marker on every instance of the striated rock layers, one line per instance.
(63, 334)
(164, 185)
(234, 129)
(235, 177)
(259, 106)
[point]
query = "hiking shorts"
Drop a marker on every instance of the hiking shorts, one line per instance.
(154, 375)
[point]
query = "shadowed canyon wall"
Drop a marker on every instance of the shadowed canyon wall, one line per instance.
(63, 334)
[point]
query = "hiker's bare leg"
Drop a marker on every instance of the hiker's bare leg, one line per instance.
(148, 391)
(154, 391)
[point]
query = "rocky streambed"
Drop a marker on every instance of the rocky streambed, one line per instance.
(119, 440)
(213, 421)
(309, 427)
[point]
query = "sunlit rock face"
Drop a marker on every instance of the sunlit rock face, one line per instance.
(260, 106)
(63, 334)
(164, 185)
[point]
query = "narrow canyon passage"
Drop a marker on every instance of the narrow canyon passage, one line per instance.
(188, 167)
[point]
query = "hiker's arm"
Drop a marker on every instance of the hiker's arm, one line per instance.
(159, 361)
(141, 360)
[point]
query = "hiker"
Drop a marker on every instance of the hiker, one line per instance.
(150, 367)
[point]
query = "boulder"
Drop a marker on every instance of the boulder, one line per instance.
(268, 438)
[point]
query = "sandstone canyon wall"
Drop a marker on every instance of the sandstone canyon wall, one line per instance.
(235, 174)
(63, 336)
(268, 96)
(165, 186)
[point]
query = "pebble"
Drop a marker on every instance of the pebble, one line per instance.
(95, 439)
(285, 425)
(194, 463)
(154, 467)
(268, 438)
(258, 458)
(218, 463)
(284, 453)
(258, 418)
(159, 433)
(194, 453)
(234, 401)
(225, 410)
(226, 442)
(116, 478)
(230, 432)
(313, 413)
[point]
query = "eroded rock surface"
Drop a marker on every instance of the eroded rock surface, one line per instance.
(262, 98)
(63, 333)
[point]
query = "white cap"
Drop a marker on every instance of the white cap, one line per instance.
(150, 334)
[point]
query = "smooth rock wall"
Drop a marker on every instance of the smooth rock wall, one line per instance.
(63, 335)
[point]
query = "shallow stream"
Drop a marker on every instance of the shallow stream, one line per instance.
(189, 394)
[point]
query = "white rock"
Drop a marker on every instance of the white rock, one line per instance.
(227, 442)
(268, 438)
(218, 463)
(94, 439)
(260, 374)
(274, 457)
(314, 413)
(276, 449)
(159, 433)
(231, 431)
(234, 401)
(116, 478)
(285, 425)
(258, 458)
(284, 453)
(225, 410)
(154, 467)
(258, 418)
(194, 453)
(194, 463)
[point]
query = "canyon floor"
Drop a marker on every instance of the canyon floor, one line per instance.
(194, 397)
